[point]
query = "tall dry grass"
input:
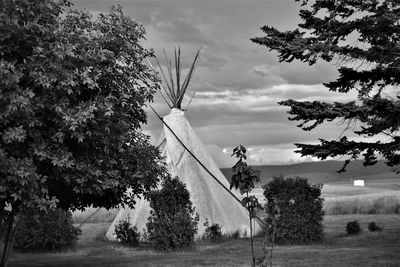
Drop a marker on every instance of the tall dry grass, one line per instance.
(380, 203)
(374, 203)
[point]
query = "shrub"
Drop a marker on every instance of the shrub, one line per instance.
(396, 209)
(353, 228)
(213, 232)
(46, 231)
(299, 205)
(232, 235)
(172, 223)
(126, 233)
(373, 227)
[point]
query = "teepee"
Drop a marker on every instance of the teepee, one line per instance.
(187, 158)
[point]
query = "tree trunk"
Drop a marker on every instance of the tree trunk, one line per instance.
(3, 219)
(273, 241)
(253, 264)
(253, 259)
(7, 238)
(7, 242)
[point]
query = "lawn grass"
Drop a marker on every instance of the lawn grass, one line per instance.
(338, 249)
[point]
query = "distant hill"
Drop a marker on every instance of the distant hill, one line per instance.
(324, 171)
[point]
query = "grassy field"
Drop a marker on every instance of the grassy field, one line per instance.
(338, 249)
(343, 198)
(377, 197)
(380, 195)
(378, 201)
(325, 172)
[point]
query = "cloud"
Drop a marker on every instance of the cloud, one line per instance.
(258, 155)
(266, 70)
(179, 31)
(299, 73)
(253, 117)
(223, 160)
(215, 62)
(282, 154)
(237, 82)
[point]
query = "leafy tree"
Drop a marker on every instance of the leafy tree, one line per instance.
(72, 91)
(271, 220)
(243, 178)
(298, 205)
(173, 222)
(363, 38)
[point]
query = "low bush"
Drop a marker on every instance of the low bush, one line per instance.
(233, 235)
(173, 222)
(396, 208)
(353, 228)
(373, 227)
(299, 205)
(46, 230)
(213, 232)
(126, 233)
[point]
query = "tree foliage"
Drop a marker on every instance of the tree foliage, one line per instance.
(46, 230)
(244, 178)
(213, 232)
(173, 222)
(299, 205)
(72, 92)
(362, 37)
(127, 233)
(353, 228)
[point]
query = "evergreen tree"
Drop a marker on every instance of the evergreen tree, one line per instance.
(363, 37)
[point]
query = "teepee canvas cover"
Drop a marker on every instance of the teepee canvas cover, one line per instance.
(209, 198)
(137, 217)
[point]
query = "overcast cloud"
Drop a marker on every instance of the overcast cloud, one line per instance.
(238, 83)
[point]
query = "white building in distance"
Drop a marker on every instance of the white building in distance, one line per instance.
(358, 182)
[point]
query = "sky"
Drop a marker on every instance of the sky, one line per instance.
(237, 83)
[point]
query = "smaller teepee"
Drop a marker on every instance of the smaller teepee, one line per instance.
(187, 158)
